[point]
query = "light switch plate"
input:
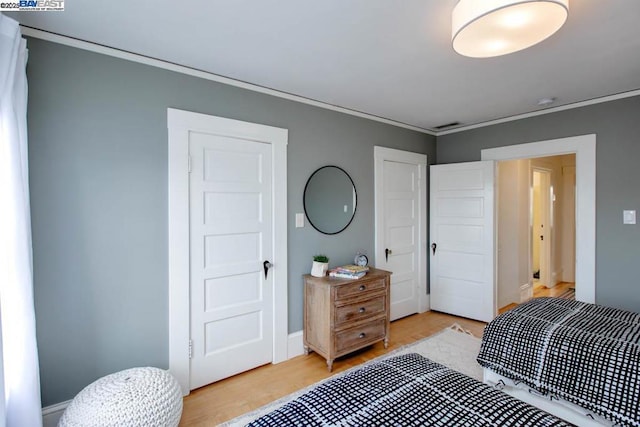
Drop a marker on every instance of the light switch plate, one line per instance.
(299, 220)
(629, 217)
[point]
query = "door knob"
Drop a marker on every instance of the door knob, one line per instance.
(266, 265)
(433, 247)
(386, 254)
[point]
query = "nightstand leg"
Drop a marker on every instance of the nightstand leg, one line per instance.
(330, 364)
(306, 350)
(386, 342)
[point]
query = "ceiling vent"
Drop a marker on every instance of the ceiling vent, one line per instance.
(447, 126)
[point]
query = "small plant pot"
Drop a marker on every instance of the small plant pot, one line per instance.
(319, 269)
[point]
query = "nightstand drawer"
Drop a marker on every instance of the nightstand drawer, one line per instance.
(360, 310)
(359, 336)
(359, 288)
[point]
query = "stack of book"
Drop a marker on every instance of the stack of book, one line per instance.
(348, 272)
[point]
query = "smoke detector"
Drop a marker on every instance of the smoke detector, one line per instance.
(543, 102)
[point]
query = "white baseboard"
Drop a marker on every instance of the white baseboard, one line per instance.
(424, 304)
(295, 346)
(52, 414)
(554, 279)
(526, 292)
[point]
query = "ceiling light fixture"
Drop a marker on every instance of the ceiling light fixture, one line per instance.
(486, 28)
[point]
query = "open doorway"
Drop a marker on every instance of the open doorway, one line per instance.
(536, 229)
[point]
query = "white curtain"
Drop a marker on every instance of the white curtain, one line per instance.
(19, 367)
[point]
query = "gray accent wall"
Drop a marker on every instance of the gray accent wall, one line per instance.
(617, 128)
(98, 171)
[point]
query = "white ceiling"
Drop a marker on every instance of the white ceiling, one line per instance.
(391, 59)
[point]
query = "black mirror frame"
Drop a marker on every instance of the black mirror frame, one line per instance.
(304, 204)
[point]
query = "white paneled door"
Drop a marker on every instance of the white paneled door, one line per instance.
(462, 239)
(231, 227)
(400, 221)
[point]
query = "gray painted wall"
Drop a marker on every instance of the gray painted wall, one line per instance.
(98, 170)
(617, 128)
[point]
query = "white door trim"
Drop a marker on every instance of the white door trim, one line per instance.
(179, 124)
(380, 154)
(584, 146)
(546, 274)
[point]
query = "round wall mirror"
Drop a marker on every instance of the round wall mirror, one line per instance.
(330, 200)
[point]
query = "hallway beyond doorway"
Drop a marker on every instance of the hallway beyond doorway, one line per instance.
(566, 290)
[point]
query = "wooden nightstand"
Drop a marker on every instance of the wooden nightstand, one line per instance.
(344, 315)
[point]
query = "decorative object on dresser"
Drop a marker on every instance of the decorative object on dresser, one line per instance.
(361, 259)
(345, 315)
(349, 272)
(320, 265)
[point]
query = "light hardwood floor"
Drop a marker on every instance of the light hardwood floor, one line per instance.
(226, 399)
(542, 291)
(556, 291)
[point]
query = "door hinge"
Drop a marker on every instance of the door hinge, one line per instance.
(189, 163)
(190, 349)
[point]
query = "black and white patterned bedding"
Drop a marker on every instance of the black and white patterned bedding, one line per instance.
(402, 391)
(584, 353)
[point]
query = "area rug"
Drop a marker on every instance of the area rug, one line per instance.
(453, 347)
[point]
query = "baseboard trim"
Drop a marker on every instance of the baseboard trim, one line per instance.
(295, 345)
(52, 414)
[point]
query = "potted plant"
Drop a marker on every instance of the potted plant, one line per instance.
(320, 265)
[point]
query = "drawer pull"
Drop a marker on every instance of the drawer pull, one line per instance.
(362, 335)
(362, 287)
(362, 310)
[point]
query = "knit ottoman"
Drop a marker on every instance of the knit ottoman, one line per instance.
(133, 397)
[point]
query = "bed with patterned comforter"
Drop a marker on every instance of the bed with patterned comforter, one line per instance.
(406, 390)
(583, 353)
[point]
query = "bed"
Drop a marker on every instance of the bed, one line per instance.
(405, 390)
(567, 355)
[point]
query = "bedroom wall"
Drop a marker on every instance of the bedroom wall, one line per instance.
(98, 171)
(617, 130)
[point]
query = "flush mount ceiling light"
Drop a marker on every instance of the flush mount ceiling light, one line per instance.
(485, 28)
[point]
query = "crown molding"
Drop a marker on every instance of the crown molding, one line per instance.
(550, 110)
(154, 62)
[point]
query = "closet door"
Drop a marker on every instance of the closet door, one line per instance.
(401, 182)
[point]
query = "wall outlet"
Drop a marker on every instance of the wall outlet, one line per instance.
(629, 217)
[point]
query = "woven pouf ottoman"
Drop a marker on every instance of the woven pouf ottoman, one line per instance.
(133, 397)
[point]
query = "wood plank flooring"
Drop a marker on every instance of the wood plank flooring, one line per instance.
(541, 291)
(229, 398)
(556, 291)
